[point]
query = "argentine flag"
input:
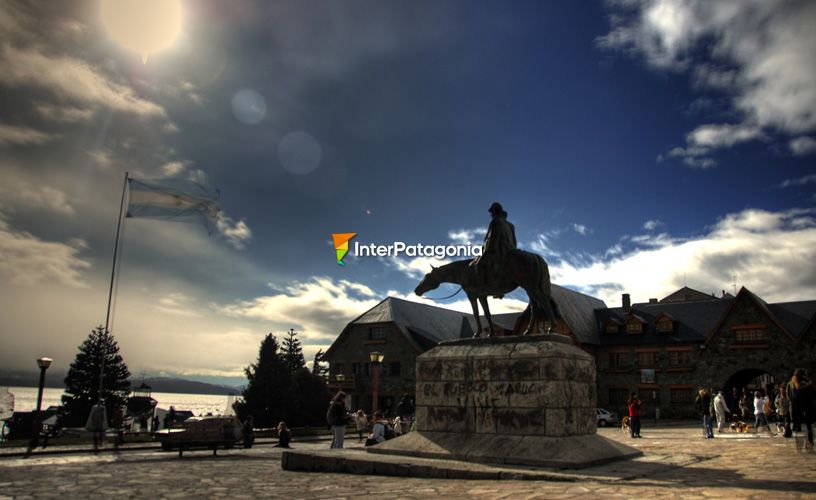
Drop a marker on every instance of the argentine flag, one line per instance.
(173, 199)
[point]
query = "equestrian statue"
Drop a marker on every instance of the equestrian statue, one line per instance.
(500, 269)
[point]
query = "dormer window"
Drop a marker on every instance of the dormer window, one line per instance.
(612, 326)
(664, 323)
(634, 325)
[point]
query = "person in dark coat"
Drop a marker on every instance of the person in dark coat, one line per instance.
(338, 417)
(703, 406)
(248, 431)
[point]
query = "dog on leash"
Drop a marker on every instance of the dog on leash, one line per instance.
(625, 421)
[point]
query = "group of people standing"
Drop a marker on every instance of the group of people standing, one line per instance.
(793, 405)
(338, 417)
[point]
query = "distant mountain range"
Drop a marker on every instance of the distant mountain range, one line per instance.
(23, 378)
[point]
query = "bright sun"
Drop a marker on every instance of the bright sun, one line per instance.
(144, 26)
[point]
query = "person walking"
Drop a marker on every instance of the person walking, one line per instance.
(635, 412)
(782, 404)
(746, 405)
(703, 406)
(338, 417)
(361, 422)
(722, 411)
(760, 407)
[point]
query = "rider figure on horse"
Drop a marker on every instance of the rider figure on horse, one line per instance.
(499, 241)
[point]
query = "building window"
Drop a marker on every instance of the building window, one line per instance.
(751, 335)
(618, 396)
(376, 333)
(338, 368)
(647, 359)
(679, 359)
(664, 325)
(681, 396)
(634, 326)
(395, 368)
(611, 327)
(618, 359)
(385, 369)
(361, 368)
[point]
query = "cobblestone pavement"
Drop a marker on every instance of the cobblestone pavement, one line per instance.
(730, 466)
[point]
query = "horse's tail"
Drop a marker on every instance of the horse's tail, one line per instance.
(545, 290)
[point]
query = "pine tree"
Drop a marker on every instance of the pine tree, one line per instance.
(318, 368)
(269, 393)
(82, 381)
(292, 352)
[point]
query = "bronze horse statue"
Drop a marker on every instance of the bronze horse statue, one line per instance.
(522, 269)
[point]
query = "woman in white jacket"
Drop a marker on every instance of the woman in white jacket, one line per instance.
(722, 411)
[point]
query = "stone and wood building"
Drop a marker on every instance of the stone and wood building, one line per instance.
(662, 349)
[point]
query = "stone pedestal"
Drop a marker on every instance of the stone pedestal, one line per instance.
(514, 400)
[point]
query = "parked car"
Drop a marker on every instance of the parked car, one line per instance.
(607, 418)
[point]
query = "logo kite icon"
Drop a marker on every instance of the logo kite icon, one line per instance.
(341, 245)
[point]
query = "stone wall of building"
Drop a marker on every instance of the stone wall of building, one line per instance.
(355, 348)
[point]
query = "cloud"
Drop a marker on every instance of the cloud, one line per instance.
(581, 229)
(467, 236)
(63, 114)
(172, 168)
(758, 52)
(652, 224)
(237, 234)
(28, 260)
(319, 307)
(23, 136)
(17, 193)
(802, 146)
(70, 79)
(771, 253)
(801, 181)
(722, 135)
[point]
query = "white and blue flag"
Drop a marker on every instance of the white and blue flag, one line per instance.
(173, 199)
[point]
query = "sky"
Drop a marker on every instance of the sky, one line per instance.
(638, 146)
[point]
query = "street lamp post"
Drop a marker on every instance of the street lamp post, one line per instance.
(43, 363)
(376, 359)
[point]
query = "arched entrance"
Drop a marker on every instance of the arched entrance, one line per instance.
(752, 379)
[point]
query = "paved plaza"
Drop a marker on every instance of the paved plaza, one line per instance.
(677, 462)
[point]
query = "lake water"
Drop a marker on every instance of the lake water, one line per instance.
(25, 399)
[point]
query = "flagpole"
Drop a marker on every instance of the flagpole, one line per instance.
(110, 291)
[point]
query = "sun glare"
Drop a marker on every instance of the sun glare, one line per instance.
(143, 26)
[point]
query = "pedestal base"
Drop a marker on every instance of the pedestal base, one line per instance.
(560, 452)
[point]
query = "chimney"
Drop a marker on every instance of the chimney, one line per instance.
(652, 301)
(627, 302)
(723, 293)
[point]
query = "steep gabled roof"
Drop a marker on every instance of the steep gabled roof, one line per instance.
(693, 321)
(795, 316)
(423, 324)
(685, 294)
(578, 310)
(744, 292)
